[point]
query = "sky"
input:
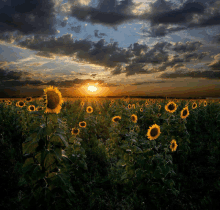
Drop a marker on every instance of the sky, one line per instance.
(121, 47)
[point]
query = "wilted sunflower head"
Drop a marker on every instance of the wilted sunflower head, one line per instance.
(89, 109)
(54, 100)
(171, 107)
(116, 119)
(134, 118)
(153, 132)
(75, 131)
(184, 112)
(82, 124)
(31, 108)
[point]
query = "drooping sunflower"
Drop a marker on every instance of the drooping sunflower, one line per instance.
(116, 119)
(171, 107)
(39, 108)
(54, 100)
(89, 109)
(173, 145)
(129, 106)
(184, 112)
(194, 105)
(82, 124)
(134, 118)
(153, 132)
(141, 109)
(28, 99)
(75, 131)
(31, 108)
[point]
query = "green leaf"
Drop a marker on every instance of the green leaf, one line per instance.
(121, 162)
(136, 149)
(62, 138)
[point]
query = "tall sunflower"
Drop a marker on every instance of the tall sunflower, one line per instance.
(20, 103)
(171, 107)
(54, 100)
(116, 119)
(205, 103)
(89, 109)
(153, 132)
(184, 113)
(28, 99)
(173, 145)
(129, 106)
(134, 118)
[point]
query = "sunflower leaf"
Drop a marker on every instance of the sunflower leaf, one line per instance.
(62, 138)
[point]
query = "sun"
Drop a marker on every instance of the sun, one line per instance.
(92, 88)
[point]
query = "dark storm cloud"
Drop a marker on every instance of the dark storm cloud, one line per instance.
(148, 82)
(197, 56)
(186, 47)
(108, 12)
(180, 15)
(117, 70)
(135, 68)
(36, 16)
(193, 74)
(216, 39)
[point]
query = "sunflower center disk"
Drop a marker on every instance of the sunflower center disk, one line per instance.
(171, 107)
(184, 112)
(53, 99)
(154, 132)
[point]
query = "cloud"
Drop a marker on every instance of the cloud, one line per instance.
(76, 29)
(108, 12)
(215, 65)
(193, 74)
(100, 35)
(36, 16)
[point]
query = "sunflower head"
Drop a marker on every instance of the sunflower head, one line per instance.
(21, 103)
(141, 109)
(205, 103)
(194, 105)
(89, 109)
(153, 132)
(75, 131)
(171, 107)
(54, 100)
(134, 118)
(116, 119)
(184, 112)
(159, 106)
(82, 103)
(18, 112)
(82, 124)
(39, 108)
(173, 145)
(31, 108)
(133, 106)
(28, 99)
(129, 106)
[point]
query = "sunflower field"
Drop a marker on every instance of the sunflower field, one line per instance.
(119, 154)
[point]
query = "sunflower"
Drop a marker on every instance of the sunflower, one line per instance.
(9, 102)
(159, 106)
(134, 118)
(54, 100)
(31, 108)
(89, 109)
(100, 112)
(20, 103)
(184, 112)
(28, 99)
(205, 103)
(173, 145)
(171, 107)
(39, 108)
(82, 103)
(116, 119)
(158, 115)
(82, 124)
(129, 106)
(141, 109)
(153, 132)
(194, 105)
(18, 112)
(133, 106)
(137, 129)
(75, 131)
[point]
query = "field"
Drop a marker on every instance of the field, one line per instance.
(122, 154)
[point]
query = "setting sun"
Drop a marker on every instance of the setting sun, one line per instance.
(92, 88)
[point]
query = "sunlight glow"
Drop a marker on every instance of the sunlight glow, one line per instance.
(92, 88)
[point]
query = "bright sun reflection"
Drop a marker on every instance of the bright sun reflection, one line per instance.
(92, 88)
